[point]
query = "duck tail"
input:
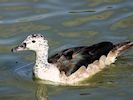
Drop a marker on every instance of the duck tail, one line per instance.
(117, 51)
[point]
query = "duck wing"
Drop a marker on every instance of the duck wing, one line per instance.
(71, 59)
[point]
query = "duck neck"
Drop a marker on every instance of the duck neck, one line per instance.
(42, 57)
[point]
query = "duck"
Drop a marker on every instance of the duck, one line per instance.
(72, 65)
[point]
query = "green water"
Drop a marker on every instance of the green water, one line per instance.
(66, 23)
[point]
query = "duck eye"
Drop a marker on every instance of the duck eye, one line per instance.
(33, 41)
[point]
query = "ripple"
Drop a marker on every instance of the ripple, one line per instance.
(77, 34)
(67, 23)
(124, 21)
(25, 71)
(94, 3)
(32, 18)
(18, 29)
(6, 4)
(83, 20)
(9, 41)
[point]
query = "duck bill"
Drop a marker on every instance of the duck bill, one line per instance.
(21, 47)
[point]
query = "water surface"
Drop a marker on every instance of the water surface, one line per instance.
(66, 23)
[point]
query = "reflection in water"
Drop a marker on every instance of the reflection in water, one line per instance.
(41, 92)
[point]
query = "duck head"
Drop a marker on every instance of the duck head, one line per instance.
(34, 42)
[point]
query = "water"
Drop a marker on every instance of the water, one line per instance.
(66, 23)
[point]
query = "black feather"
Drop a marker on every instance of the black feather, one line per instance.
(71, 59)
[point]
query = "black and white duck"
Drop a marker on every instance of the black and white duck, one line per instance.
(72, 65)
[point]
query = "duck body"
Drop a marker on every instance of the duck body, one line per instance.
(72, 65)
(71, 59)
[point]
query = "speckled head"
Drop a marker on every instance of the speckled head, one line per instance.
(34, 42)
